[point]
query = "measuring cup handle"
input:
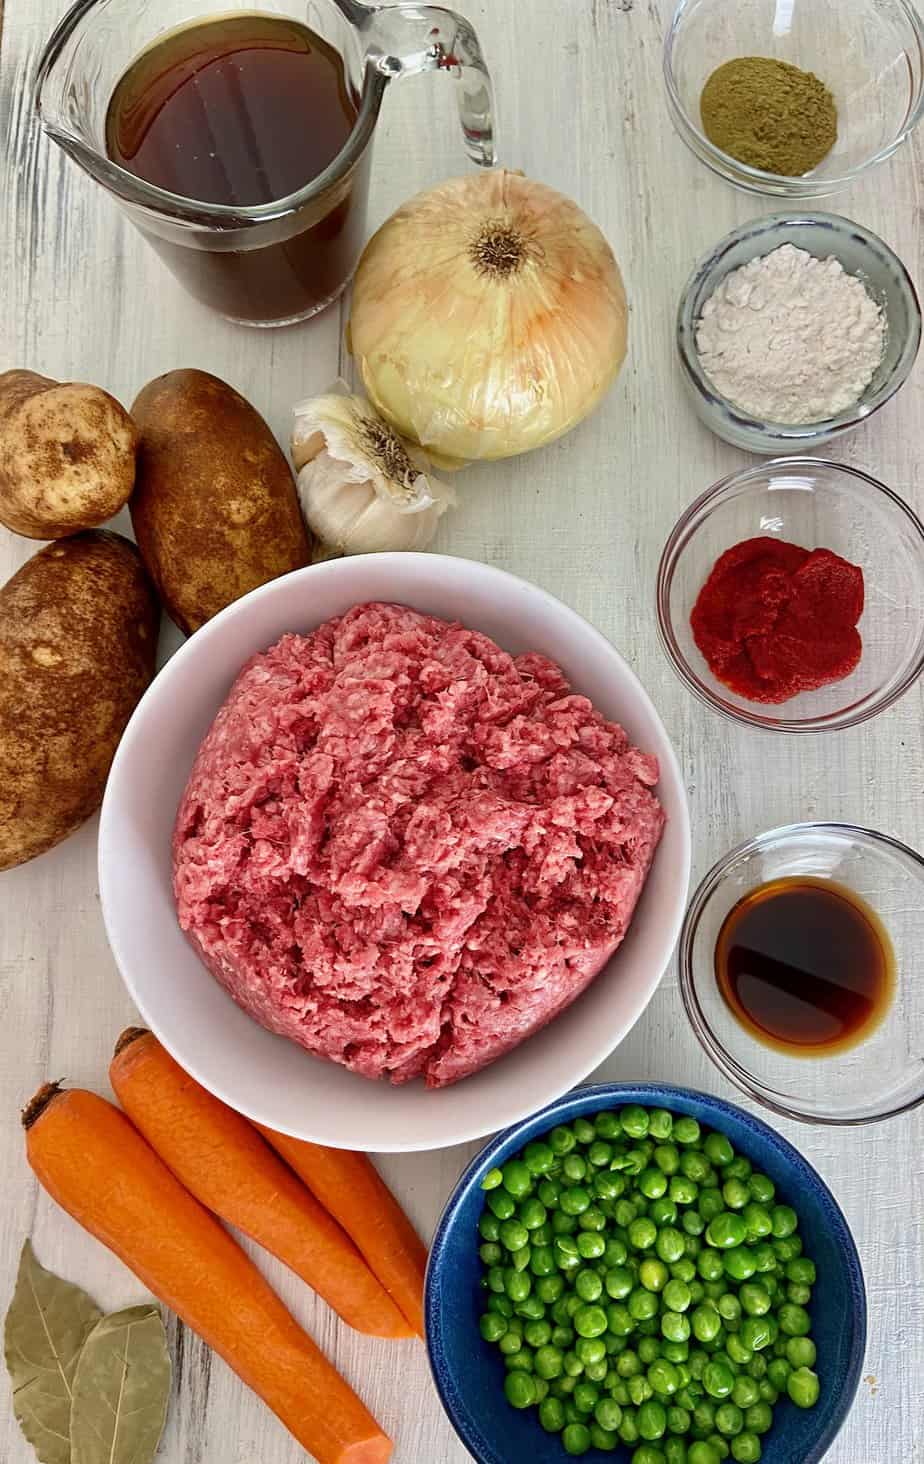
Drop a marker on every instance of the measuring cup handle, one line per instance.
(404, 40)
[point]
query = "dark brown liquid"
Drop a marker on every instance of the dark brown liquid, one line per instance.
(245, 110)
(805, 965)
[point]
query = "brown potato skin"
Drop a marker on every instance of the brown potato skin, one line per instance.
(78, 640)
(67, 455)
(214, 510)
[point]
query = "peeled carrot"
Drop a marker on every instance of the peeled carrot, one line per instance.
(351, 1188)
(91, 1160)
(221, 1159)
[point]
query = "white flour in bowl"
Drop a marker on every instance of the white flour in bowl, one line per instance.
(790, 338)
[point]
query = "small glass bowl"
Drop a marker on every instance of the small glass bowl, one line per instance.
(884, 1074)
(861, 253)
(869, 53)
(815, 504)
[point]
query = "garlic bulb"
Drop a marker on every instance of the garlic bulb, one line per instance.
(360, 487)
(488, 317)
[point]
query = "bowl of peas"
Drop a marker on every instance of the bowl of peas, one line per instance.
(645, 1274)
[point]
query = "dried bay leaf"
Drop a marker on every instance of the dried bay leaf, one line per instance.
(121, 1389)
(46, 1327)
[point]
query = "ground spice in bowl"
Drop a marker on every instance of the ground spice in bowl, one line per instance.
(769, 115)
(774, 619)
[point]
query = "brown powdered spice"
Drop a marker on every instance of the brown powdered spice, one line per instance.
(769, 115)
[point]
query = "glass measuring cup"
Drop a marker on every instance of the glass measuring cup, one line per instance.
(279, 262)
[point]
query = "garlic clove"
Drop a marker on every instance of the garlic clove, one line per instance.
(361, 487)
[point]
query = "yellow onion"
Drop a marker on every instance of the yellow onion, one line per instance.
(488, 317)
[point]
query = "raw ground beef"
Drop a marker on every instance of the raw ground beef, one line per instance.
(405, 849)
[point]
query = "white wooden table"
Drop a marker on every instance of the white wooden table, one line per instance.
(581, 107)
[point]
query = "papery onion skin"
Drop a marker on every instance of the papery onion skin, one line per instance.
(472, 364)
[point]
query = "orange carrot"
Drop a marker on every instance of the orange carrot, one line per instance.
(100, 1170)
(221, 1159)
(351, 1188)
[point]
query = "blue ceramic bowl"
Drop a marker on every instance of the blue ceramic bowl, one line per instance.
(469, 1373)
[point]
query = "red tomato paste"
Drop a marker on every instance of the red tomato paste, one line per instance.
(773, 619)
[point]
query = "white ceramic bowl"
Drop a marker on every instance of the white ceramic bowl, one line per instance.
(269, 1078)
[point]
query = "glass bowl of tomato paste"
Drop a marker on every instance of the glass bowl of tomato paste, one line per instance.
(790, 596)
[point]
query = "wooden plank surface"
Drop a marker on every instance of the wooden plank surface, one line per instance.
(581, 106)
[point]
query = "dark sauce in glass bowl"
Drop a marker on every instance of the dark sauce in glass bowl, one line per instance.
(805, 965)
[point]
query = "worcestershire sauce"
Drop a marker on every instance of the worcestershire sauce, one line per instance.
(244, 110)
(805, 965)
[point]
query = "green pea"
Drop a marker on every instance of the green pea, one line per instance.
(663, 1212)
(642, 1304)
(634, 1121)
(682, 1190)
(677, 1296)
(549, 1361)
(590, 1350)
(675, 1326)
(686, 1130)
(652, 1183)
(667, 1159)
(648, 1454)
(762, 1189)
(513, 1235)
(663, 1377)
(501, 1204)
(778, 1372)
(694, 1166)
(501, 1305)
(669, 1244)
(620, 1320)
(653, 1275)
(574, 1168)
(538, 1157)
(616, 1252)
(769, 1394)
(608, 1186)
(549, 1289)
(563, 1224)
(561, 1140)
(619, 1282)
(726, 1230)
(552, 1415)
(492, 1179)
(652, 1420)
(590, 1321)
(710, 1203)
(718, 1379)
(642, 1233)
(520, 1389)
(584, 1130)
(624, 1213)
(803, 1387)
(575, 1201)
(692, 1245)
(492, 1326)
(549, 1192)
(757, 1367)
(684, 1270)
(489, 1227)
(531, 1309)
(801, 1352)
(729, 1420)
(693, 1223)
(702, 1452)
(509, 1343)
(755, 1299)
(739, 1354)
(764, 1258)
(537, 1333)
(585, 1397)
(593, 1218)
(758, 1221)
(640, 1390)
(521, 1258)
(532, 1213)
(784, 1221)
(542, 1260)
(706, 1323)
(648, 1348)
(576, 1438)
(491, 1253)
(518, 1285)
(745, 1392)
(591, 1245)
(759, 1418)
(710, 1264)
(718, 1150)
(608, 1414)
(735, 1194)
(660, 1124)
(801, 1295)
(600, 1153)
(588, 1285)
(739, 1264)
(607, 1125)
(756, 1334)
(746, 1449)
(794, 1320)
(517, 1179)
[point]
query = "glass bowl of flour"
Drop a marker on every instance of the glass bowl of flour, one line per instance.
(794, 330)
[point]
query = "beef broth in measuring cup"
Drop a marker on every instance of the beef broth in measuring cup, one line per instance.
(242, 111)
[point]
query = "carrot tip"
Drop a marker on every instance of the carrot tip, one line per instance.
(37, 1105)
(130, 1035)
